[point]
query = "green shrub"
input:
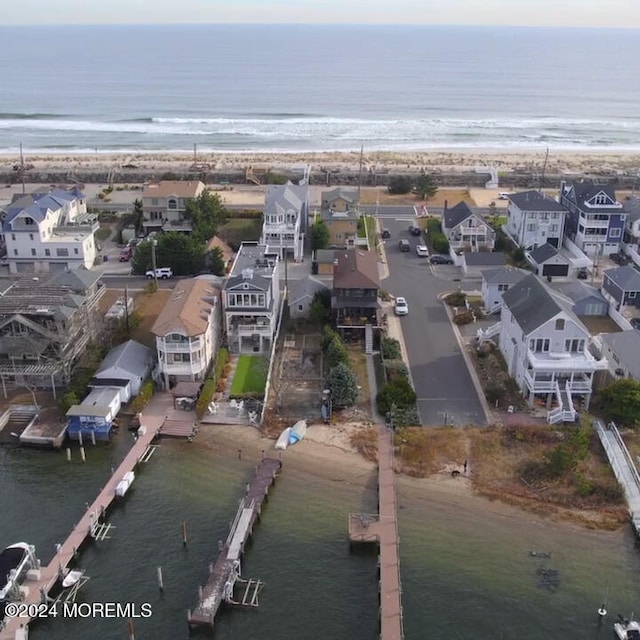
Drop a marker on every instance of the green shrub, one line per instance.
(398, 393)
(208, 389)
(67, 401)
(343, 385)
(455, 299)
(336, 352)
(390, 348)
(395, 369)
(142, 399)
(223, 358)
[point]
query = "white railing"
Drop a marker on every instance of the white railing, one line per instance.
(184, 368)
(181, 347)
(489, 332)
(632, 253)
(245, 329)
(618, 318)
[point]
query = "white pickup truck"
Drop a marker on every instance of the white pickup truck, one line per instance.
(161, 273)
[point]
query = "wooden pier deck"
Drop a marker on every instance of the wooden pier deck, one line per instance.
(623, 467)
(383, 529)
(17, 628)
(226, 571)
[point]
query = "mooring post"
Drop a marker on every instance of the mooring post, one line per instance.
(68, 454)
(82, 456)
(211, 567)
(160, 582)
(132, 635)
(247, 488)
(200, 593)
(80, 438)
(219, 545)
(184, 533)
(93, 438)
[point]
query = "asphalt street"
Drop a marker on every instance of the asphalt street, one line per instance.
(446, 394)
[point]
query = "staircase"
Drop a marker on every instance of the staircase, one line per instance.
(368, 338)
(565, 411)
(490, 332)
(20, 417)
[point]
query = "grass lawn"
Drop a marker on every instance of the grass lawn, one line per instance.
(250, 376)
(236, 230)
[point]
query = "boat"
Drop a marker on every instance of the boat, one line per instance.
(283, 440)
(15, 561)
(626, 629)
(71, 578)
(124, 484)
(298, 431)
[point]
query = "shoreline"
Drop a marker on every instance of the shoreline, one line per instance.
(455, 160)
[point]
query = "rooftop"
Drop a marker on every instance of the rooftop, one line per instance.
(355, 269)
(626, 346)
(535, 201)
(187, 310)
(504, 275)
(176, 188)
(287, 197)
(488, 258)
(131, 356)
(543, 253)
(627, 278)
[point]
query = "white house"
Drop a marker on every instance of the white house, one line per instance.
(251, 299)
(125, 368)
(622, 351)
(187, 331)
(546, 349)
(49, 231)
(164, 204)
(285, 219)
(465, 229)
(495, 282)
(534, 219)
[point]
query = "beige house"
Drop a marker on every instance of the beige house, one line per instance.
(340, 212)
(187, 331)
(164, 204)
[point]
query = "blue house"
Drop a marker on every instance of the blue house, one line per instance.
(595, 219)
(95, 415)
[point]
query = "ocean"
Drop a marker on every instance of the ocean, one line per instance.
(293, 88)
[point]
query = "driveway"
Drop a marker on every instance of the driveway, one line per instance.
(440, 376)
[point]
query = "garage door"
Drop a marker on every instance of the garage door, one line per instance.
(555, 269)
(58, 267)
(25, 267)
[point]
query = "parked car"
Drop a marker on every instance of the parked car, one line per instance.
(126, 253)
(422, 251)
(620, 258)
(404, 245)
(582, 274)
(385, 233)
(438, 258)
(162, 273)
(503, 195)
(401, 307)
(414, 229)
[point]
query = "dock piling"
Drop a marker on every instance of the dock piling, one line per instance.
(132, 635)
(82, 455)
(93, 438)
(80, 438)
(160, 581)
(68, 454)
(184, 533)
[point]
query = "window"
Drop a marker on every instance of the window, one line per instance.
(503, 287)
(540, 345)
(15, 252)
(632, 294)
(553, 228)
(61, 253)
(172, 204)
(13, 236)
(31, 236)
(531, 227)
(299, 307)
(574, 346)
(33, 252)
(29, 221)
(47, 252)
(615, 233)
(75, 251)
(560, 324)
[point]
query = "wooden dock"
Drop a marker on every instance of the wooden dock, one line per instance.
(225, 583)
(90, 526)
(382, 528)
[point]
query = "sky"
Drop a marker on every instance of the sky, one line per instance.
(562, 13)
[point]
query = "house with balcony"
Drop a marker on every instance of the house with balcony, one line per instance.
(621, 287)
(188, 332)
(49, 231)
(534, 219)
(354, 296)
(340, 211)
(546, 348)
(622, 352)
(495, 282)
(251, 299)
(46, 323)
(164, 204)
(467, 230)
(595, 220)
(286, 210)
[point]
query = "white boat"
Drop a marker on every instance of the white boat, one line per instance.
(283, 440)
(124, 484)
(626, 629)
(71, 578)
(298, 431)
(15, 561)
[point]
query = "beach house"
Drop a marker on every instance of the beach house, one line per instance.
(595, 219)
(466, 229)
(164, 204)
(45, 325)
(495, 282)
(546, 349)
(340, 212)
(622, 352)
(49, 231)
(251, 299)
(188, 331)
(535, 219)
(621, 286)
(286, 210)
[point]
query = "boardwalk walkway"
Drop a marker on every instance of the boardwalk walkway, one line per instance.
(623, 466)
(224, 574)
(152, 419)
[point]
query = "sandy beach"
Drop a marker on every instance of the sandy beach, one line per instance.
(443, 160)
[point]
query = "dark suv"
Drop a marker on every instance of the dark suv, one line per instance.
(404, 245)
(438, 258)
(385, 233)
(415, 230)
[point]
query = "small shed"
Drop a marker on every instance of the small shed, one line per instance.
(586, 299)
(95, 414)
(301, 296)
(475, 262)
(323, 262)
(548, 261)
(130, 361)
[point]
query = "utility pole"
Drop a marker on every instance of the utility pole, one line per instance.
(360, 173)
(126, 311)
(154, 242)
